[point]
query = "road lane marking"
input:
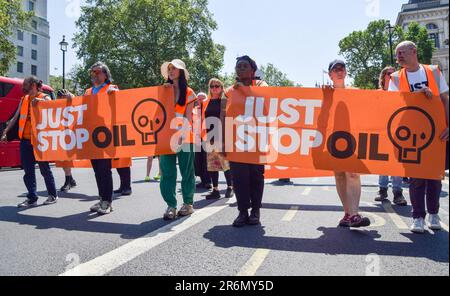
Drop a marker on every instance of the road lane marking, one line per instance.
(120, 256)
(307, 191)
(398, 221)
(315, 180)
(445, 181)
(444, 226)
(378, 220)
(254, 263)
(290, 214)
(443, 211)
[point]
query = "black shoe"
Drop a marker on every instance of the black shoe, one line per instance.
(215, 194)
(255, 217)
(127, 192)
(286, 181)
(118, 191)
(399, 199)
(69, 184)
(382, 194)
(229, 193)
(241, 220)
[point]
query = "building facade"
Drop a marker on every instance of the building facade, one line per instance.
(432, 14)
(33, 44)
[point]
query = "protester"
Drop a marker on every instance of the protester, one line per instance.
(201, 162)
(214, 109)
(32, 89)
(428, 79)
(248, 179)
(397, 189)
(177, 77)
(70, 181)
(348, 184)
(102, 83)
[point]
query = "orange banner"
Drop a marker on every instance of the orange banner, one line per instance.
(276, 172)
(128, 123)
(360, 131)
(116, 163)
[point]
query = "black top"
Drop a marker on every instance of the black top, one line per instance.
(213, 109)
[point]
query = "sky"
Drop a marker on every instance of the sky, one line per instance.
(299, 37)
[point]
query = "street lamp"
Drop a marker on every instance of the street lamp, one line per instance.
(63, 44)
(389, 28)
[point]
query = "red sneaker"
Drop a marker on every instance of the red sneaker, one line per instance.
(345, 222)
(357, 221)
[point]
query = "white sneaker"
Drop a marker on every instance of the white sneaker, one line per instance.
(434, 222)
(418, 226)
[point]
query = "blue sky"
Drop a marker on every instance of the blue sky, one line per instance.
(299, 37)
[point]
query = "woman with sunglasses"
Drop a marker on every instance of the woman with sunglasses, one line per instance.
(177, 77)
(399, 199)
(212, 111)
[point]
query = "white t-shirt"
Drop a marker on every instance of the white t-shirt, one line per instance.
(418, 80)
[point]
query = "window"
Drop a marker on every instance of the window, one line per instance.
(34, 70)
(34, 39)
(5, 88)
(30, 5)
(20, 35)
(34, 24)
(435, 38)
(19, 67)
(34, 54)
(20, 51)
(432, 27)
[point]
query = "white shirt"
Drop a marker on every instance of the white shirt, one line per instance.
(418, 80)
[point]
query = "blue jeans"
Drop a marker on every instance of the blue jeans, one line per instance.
(28, 164)
(396, 183)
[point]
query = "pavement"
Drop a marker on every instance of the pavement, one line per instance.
(298, 235)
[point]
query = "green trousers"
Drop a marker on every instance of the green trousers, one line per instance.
(168, 183)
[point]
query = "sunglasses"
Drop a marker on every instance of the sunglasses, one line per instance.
(215, 86)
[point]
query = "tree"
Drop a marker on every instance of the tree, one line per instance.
(134, 38)
(275, 77)
(272, 75)
(367, 52)
(12, 17)
(56, 84)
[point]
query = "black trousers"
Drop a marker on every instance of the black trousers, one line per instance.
(125, 178)
(248, 182)
(215, 178)
(201, 166)
(103, 176)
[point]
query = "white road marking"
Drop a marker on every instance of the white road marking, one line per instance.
(378, 220)
(118, 257)
(290, 214)
(398, 221)
(307, 191)
(445, 181)
(254, 263)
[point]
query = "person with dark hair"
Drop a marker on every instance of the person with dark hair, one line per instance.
(32, 89)
(101, 84)
(397, 189)
(177, 77)
(248, 179)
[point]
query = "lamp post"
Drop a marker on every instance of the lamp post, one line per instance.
(389, 28)
(63, 44)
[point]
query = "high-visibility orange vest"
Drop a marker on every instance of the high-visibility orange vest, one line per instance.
(400, 79)
(24, 112)
(180, 112)
(103, 90)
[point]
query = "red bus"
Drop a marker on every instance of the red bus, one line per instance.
(10, 95)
